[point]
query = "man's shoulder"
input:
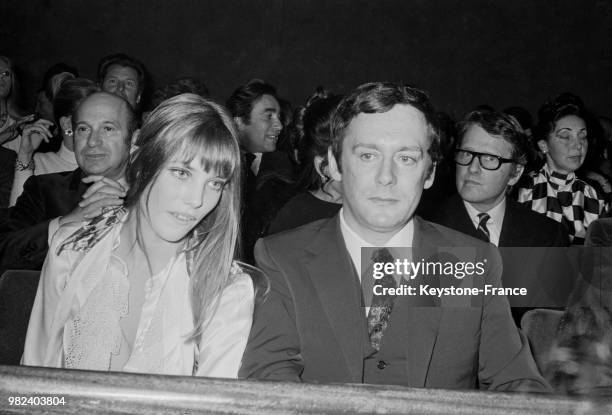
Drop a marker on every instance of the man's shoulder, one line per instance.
(297, 238)
(441, 235)
(539, 227)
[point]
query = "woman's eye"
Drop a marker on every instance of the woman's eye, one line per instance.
(216, 185)
(81, 129)
(109, 129)
(180, 173)
(563, 135)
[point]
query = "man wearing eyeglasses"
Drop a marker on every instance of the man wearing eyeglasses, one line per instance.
(490, 157)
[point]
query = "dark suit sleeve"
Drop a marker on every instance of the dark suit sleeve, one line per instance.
(273, 349)
(24, 230)
(505, 359)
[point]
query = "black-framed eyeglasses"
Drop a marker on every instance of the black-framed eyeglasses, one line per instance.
(487, 161)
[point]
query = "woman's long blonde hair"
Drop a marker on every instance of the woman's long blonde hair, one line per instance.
(185, 127)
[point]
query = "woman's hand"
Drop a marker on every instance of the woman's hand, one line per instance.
(32, 136)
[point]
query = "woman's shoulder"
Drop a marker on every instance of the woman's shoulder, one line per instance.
(247, 280)
(82, 236)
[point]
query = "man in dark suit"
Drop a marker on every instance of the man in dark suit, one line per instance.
(313, 326)
(103, 125)
(491, 154)
(256, 111)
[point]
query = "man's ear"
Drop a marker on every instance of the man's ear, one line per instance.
(518, 171)
(318, 160)
(138, 98)
(65, 123)
(429, 181)
(239, 123)
(334, 170)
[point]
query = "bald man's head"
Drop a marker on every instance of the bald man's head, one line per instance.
(103, 125)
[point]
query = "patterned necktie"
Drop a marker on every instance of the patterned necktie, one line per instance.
(382, 305)
(483, 231)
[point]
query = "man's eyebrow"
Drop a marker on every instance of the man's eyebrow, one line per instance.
(272, 110)
(375, 147)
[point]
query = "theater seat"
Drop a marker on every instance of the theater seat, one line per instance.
(540, 327)
(17, 293)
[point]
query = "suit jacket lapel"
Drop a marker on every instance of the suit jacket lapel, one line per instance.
(423, 320)
(510, 232)
(333, 276)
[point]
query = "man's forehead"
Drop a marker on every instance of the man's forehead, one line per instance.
(478, 139)
(266, 103)
(102, 107)
(124, 71)
(402, 123)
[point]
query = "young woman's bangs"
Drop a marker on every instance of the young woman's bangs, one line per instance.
(214, 147)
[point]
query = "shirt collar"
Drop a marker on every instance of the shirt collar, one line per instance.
(495, 222)
(354, 242)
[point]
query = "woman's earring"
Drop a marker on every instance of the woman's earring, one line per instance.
(69, 132)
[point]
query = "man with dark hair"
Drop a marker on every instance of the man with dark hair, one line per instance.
(313, 325)
(103, 125)
(123, 75)
(256, 111)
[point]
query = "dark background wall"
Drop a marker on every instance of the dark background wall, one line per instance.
(463, 52)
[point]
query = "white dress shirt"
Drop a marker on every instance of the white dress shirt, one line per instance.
(496, 219)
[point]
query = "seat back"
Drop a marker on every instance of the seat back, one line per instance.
(17, 293)
(540, 327)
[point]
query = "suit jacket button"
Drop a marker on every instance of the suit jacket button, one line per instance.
(381, 364)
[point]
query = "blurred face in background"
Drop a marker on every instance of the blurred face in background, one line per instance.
(123, 81)
(6, 79)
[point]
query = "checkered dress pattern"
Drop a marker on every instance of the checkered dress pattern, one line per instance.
(563, 198)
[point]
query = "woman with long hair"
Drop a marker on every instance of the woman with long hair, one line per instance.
(11, 116)
(152, 286)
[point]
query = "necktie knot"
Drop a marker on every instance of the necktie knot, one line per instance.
(483, 231)
(382, 255)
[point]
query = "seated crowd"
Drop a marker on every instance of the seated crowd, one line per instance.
(179, 236)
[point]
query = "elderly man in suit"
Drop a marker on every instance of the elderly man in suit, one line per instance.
(103, 125)
(490, 157)
(313, 325)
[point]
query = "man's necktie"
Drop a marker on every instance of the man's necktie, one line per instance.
(483, 231)
(382, 305)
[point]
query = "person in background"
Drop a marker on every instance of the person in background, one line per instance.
(103, 126)
(554, 190)
(152, 286)
(125, 76)
(256, 112)
(11, 115)
(318, 195)
(29, 162)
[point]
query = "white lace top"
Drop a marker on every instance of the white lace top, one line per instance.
(82, 296)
